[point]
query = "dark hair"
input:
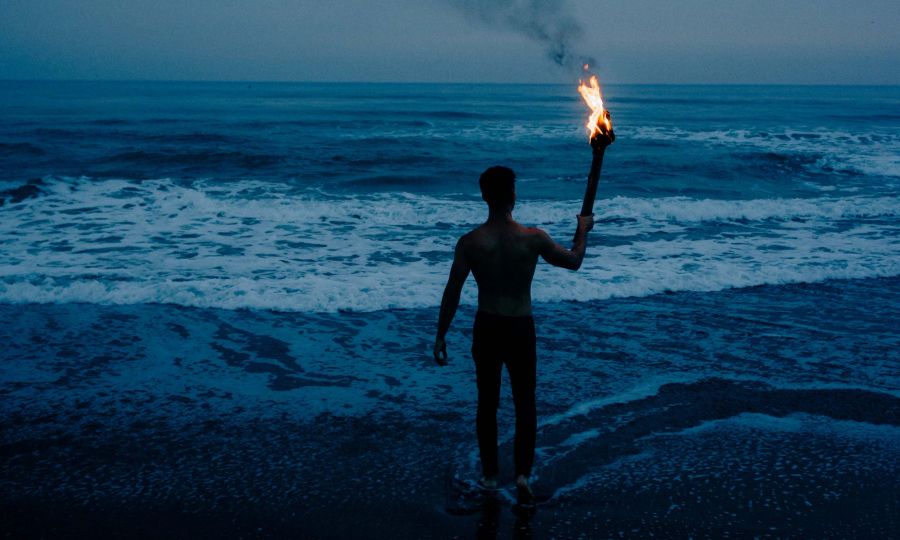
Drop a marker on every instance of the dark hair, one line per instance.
(498, 186)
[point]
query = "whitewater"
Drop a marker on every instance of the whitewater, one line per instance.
(117, 241)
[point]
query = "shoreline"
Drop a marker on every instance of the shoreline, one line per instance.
(678, 414)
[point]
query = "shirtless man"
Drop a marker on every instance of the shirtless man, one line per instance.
(502, 255)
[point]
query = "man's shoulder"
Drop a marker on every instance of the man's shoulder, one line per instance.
(533, 230)
(469, 236)
(468, 239)
(537, 239)
(535, 233)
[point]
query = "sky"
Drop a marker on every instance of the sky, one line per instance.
(634, 41)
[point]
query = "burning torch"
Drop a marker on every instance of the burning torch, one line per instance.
(600, 135)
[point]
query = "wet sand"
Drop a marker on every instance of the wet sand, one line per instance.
(702, 415)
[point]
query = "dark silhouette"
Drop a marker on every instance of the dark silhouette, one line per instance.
(502, 255)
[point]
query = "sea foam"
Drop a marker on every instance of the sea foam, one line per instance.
(264, 246)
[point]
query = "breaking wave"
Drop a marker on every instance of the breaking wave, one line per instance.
(268, 246)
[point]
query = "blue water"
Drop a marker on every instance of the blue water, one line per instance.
(318, 197)
(210, 293)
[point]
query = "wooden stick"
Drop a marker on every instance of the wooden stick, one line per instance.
(587, 207)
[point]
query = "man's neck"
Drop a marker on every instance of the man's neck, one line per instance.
(500, 215)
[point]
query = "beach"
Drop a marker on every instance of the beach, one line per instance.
(218, 300)
(275, 424)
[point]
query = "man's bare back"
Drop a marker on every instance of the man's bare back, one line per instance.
(502, 255)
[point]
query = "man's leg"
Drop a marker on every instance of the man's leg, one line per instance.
(487, 371)
(522, 366)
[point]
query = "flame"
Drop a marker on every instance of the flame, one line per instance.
(591, 96)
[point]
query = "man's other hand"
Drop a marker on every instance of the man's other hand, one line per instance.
(585, 223)
(440, 352)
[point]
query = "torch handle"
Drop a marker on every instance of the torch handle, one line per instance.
(587, 207)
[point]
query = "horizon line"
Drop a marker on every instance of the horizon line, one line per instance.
(455, 83)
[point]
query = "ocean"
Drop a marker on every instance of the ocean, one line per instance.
(217, 302)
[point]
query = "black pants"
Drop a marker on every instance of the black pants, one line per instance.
(499, 340)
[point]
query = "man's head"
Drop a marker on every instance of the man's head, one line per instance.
(498, 187)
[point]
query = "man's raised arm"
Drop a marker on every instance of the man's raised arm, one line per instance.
(450, 301)
(557, 255)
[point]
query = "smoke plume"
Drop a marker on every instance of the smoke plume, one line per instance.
(545, 21)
